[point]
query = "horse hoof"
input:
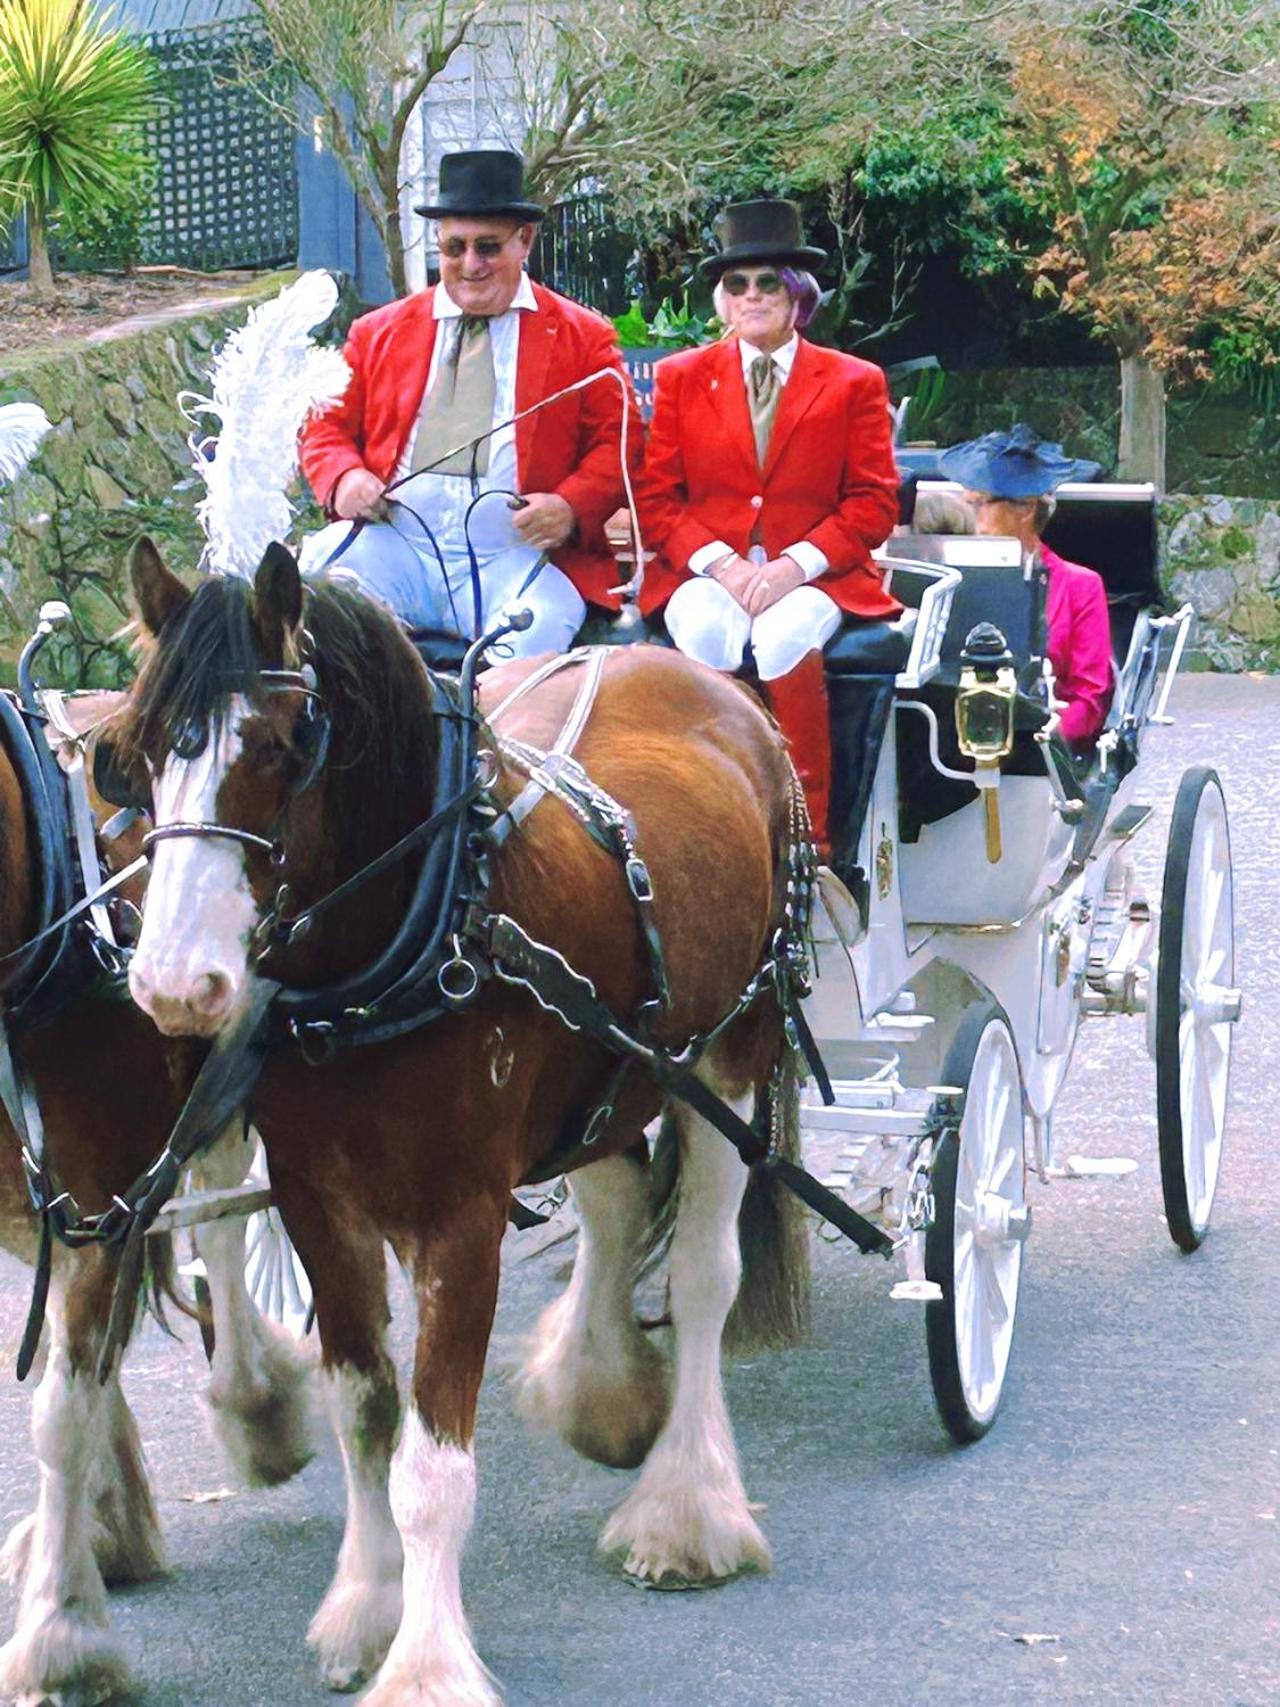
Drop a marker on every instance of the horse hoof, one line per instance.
(266, 1429)
(352, 1630)
(685, 1538)
(58, 1662)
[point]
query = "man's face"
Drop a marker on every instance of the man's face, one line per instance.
(757, 306)
(481, 261)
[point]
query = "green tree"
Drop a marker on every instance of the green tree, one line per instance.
(367, 65)
(74, 94)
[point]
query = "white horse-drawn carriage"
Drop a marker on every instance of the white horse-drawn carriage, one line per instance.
(996, 906)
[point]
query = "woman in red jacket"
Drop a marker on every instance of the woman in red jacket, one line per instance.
(1010, 479)
(769, 478)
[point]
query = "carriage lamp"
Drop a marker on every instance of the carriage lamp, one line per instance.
(985, 700)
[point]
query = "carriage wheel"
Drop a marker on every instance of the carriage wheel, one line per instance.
(1197, 1004)
(973, 1249)
(273, 1271)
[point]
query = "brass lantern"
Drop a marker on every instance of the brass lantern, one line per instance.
(985, 702)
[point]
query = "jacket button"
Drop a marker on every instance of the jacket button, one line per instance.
(757, 502)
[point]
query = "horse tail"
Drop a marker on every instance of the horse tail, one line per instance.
(772, 1307)
(161, 1285)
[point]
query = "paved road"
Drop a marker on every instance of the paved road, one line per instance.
(1128, 1501)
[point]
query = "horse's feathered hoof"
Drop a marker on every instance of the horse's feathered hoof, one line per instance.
(685, 1537)
(60, 1662)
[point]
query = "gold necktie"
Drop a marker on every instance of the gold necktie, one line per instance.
(765, 389)
(459, 406)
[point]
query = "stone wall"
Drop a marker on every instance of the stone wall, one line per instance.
(115, 465)
(1222, 556)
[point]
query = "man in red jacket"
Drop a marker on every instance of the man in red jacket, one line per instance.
(448, 511)
(768, 479)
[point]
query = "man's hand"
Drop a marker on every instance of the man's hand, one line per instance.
(359, 493)
(778, 577)
(739, 577)
(544, 520)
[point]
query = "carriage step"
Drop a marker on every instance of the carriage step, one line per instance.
(1094, 1167)
(916, 1292)
(197, 1206)
(1127, 822)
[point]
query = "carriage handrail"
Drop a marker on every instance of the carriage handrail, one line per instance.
(1182, 618)
(925, 655)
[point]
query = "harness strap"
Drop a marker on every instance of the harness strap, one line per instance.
(565, 741)
(544, 972)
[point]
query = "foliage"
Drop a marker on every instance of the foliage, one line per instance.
(73, 96)
(366, 65)
(108, 237)
(672, 326)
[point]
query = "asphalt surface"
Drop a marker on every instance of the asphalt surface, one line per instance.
(1127, 1504)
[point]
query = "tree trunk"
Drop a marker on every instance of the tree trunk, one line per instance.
(39, 272)
(1142, 421)
(395, 247)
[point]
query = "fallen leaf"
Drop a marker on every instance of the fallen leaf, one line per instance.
(210, 1497)
(1033, 1638)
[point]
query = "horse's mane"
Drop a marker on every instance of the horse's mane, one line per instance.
(369, 677)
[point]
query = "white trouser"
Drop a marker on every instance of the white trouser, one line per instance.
(423, 572)
(708, 623)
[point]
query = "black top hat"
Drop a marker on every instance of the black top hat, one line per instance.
(479, 183)
(760, 231)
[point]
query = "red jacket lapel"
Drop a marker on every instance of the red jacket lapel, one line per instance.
(726, 393)
(539, 334)
(412, 346)
(802, 387)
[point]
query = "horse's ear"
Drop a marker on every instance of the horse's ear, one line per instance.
(159, 594)
(277, 595)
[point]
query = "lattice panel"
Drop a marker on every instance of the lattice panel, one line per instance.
(227, 178)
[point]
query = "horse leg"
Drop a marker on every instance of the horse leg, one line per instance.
(432, 1662)
(260, 1381)
(687, 1519)
(355, 1622)
(590, 1373)
(62, 1650)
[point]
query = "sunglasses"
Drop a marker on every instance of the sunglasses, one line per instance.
(487, 248)
(738, 284)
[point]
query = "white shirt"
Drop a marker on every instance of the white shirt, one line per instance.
(805, 555)
(504, 341)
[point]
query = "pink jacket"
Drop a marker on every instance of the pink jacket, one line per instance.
(1079, 645)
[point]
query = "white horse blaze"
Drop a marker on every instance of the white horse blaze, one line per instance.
(199, 911)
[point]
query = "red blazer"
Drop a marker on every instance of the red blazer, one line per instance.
(571, 448)
(1079, 645)
(829, 475)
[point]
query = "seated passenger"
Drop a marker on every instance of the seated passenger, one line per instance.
(436, 380)
(1010, 478)
(768, 479)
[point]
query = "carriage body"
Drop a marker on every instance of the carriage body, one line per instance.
(949, 986)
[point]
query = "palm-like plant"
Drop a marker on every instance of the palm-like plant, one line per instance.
(73, 95)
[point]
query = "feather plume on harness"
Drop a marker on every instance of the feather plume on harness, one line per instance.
(22, 426)
(265, 380)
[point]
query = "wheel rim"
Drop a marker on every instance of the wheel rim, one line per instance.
(273, 1271)
(989, 1186)
(1208, 1004)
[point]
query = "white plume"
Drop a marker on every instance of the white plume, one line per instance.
(22, 426)
(265, 380)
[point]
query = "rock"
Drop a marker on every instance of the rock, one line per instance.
(108, 492)
(1256, 615)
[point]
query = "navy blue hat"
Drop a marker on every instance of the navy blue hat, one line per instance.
(1016, 464)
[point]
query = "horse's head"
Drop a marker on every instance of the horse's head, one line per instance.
(220, 733)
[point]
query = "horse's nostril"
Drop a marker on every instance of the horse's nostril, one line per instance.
(210, 993)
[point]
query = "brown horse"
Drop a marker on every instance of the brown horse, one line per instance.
(420, 1139)
(109, 1088)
